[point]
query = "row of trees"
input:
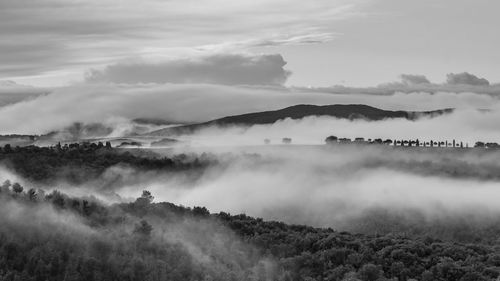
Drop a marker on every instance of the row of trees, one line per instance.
(76, 162)
(416, 142)
(85, 146)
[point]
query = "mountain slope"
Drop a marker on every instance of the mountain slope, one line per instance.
(345, 111)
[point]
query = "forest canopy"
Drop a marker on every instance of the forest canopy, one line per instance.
(52, 236)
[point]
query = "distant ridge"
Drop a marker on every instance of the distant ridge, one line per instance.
(344, 111)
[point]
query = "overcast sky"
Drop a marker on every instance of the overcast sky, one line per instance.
(323, 42)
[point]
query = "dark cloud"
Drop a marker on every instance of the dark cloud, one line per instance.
(412, 79)
(227, 69)
(465, 78)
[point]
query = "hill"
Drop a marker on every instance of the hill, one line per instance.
(52, 236)
(344, 111)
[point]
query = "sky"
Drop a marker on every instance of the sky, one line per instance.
(188, 61)
(318, 43)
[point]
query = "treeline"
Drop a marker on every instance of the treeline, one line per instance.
(57, 237)
(411, 142)
(76, 163)
(142, 240)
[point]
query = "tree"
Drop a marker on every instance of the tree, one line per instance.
(57, 198)
(17, 188)
(369, 272)
(143, 228)
(472, 276)
(427, 276)
(72, 273)
(7, 148)
(32, 195)
(397, 269)
(479, 144)
(350, 276)
(200, 211)
(331, 139)
(5, 186)
(146, 198)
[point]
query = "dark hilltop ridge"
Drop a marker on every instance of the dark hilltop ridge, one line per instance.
(343, 111)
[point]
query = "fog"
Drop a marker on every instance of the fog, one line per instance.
(305, 182)
(467, 126)
(189, 103)
(359, 188)
(199, 244)
(340, 186)
(348, 189)
(41, 219)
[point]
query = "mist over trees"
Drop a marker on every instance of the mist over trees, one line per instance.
(49, 235)
(217, 140)
(57, 237)
(76, 163)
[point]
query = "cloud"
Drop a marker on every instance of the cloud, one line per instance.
(465, 78)
(228, 69)
(411, 79)
(188, 103)
(328, 186)
(71, 36)
(11, 92)
(311, 37)
(467, 125)
(178, 103)
(411, 83)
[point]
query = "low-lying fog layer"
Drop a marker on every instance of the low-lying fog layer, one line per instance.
(365, 188)
(467, 126)
(326, 186)
(198, 103)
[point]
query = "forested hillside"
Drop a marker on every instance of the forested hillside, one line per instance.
(76, 163)
(48, 235)
(57, 237)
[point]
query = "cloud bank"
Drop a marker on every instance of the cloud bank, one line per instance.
(466, 78)
(468, 126)
(226, 69)
(11, 92)
(411, 83)
(188, 103)
(332, 186)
